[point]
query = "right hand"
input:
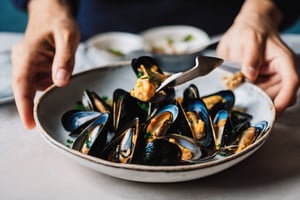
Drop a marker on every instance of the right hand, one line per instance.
(45, 56)
(253, 41)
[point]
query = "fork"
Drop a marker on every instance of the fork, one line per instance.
(203, 66)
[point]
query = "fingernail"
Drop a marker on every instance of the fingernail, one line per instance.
(62, 74)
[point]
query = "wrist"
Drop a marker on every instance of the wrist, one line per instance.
(263, 12)
(50, 8)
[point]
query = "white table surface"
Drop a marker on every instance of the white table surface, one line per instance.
(32, 169)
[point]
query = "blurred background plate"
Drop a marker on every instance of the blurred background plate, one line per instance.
(175, 46)
(111, 47)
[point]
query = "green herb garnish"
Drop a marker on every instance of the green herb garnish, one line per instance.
(70, 141)
(79, 106)
(121, 97)
(140, 74)
(116, 52)
(188, 38)
(170, 40)
(104, 98)
(148, 135)
(88, 143)
(143, 106)
(145, 77)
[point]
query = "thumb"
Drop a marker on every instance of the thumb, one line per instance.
(63, 62)
(251, 62)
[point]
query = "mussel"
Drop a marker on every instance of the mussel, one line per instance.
(149, 78)
(93, 138)
(122, 148)
(161, 152)
(91, 101)
(73, 119)
(159, 124)
(220, 100)
(251, 134)
(127, 108)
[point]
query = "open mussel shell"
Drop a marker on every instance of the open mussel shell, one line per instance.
(181, 125)
(160, 123)
(190, 94)
(220, 124)
(224, 99)
(240, 120)
(161, 152)
(123, 147)
(147, 62)
(73, 119)
(189, 148)
(250, 135)
(127, 108)
(201, 124)
(229, 126)
(91, 101)
(261, 127)
(245, 138)
(145, 67)
(175, 149)
(93, 138)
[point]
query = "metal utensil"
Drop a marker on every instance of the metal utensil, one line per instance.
(203, 66)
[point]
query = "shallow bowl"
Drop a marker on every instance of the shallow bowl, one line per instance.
(51, 106)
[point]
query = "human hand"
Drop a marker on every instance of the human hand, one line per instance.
(45, 56)
(253, 41)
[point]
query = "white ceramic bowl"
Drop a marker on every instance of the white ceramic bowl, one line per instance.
(110, 47)
(175, 46)
(50, 108)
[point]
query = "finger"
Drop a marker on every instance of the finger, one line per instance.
(222, 49)
(24, 96)
(273, 92)
(287, 94)
(23, 91)
(252, 59)
(44, 80)
(268, 81)
(63, 62)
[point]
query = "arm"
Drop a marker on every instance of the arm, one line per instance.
(46, 55)
(254, 41)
